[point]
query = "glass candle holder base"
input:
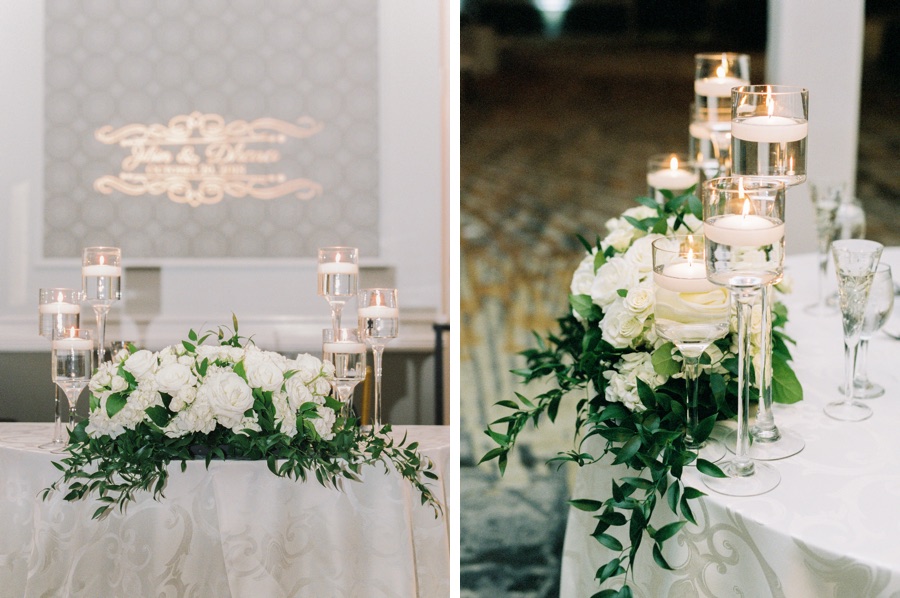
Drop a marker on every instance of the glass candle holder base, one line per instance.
(764, 478)
(55, 446)
(711, 450)
(864, 390)
(786, 445)
(848, 411)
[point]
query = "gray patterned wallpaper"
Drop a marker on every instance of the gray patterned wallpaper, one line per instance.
(305, 177)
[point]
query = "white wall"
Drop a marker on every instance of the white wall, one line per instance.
(818, 44)
(274, 299)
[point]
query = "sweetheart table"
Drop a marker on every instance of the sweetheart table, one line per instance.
(830, 528)
(233, 530)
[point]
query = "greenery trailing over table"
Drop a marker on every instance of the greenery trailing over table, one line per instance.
(628, 389)
(225, 401)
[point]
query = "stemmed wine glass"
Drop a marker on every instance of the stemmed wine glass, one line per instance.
(878, 310)
(58, 311)
(72, 365)
(379, 323)
(338, 273)
(855, 262)
(743, 220)
(101, 283)
(691, 312)
(769, 129)
(348, 354)
(825, 200)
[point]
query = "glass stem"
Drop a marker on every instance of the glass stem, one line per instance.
(851, 348)
(377, 352)
(823, 273)
(100, 310)
(691, 369)
(337, 307)
(744, 298)
(861, 375)
(765, 428)
(57, 419)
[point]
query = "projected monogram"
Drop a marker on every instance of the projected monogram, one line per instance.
(197, 159)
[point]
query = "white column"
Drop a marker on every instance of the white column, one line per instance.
(819, 45)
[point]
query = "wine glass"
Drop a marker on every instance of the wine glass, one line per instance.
(72, 357)
(101, 283)
(338, 273)
(826, 200)
(691, 312)
(379, 323)
(348, 354)
(58, 311)
(743, 220)
(855, 262)
(878, 310)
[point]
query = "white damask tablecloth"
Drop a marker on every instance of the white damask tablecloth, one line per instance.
(829, 529)
(234, 530)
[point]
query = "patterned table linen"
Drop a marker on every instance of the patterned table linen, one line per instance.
(235, 530)
(829, 529)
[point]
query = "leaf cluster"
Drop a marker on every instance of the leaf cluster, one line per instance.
(649, 443)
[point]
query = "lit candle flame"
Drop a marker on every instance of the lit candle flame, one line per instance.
(722, 69)
(673, 163)
(770, 104)
(59, 297)
(690, 253)
(337, 257)
(72, 332)
(746, 209)
(101, 260)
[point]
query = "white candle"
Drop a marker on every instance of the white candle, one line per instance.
(717, 87)
(748, 230)
(343, 347)
(676, 179)
(73, 344)
(770, 129)
(59, 307)
(378, 311)
(684, 277)
(101, 270)
(338, 268)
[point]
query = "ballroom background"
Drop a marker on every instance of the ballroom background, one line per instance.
(560, 111)
(344, 113)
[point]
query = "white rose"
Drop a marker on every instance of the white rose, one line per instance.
(619, 327)
(639, 301)
(228, 397)
(584, 276)
(102, 378)
(640, 212)
(690, 308)
(307, 366)
(141, 364)
(640, 255)
(173, 377)
(297, 392)
(619, 238)
(325, 422)
(615, 274)
(263, 371)
(118, 384)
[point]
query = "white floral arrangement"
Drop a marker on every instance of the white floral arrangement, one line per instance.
(232, 400)
(628, 382)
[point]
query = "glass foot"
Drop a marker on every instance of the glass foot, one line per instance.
(787, 445)
(711, 449)
(53, 445)
(848, 411)
(763, 479)
(864, 390)
(821, 309)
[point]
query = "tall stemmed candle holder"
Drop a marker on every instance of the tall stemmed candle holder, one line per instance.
(691, 312)
(344, 349)
(72, 358)
(338, 275)
(379, 323)
(101, 283)
(673, 172)
(855, 262)
(58, 311)
(743, 220)
(769, 126)
(715, 75)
